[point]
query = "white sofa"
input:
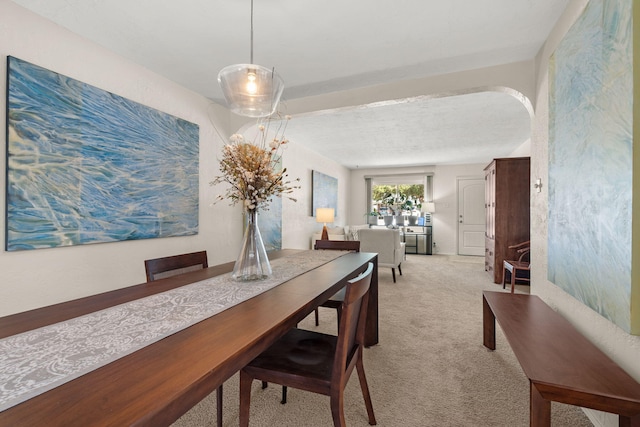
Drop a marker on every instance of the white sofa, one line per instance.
(386, 242)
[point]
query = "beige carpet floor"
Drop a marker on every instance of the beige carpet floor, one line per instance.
(430, 368)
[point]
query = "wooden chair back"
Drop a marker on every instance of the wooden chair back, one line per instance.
(159, 268)
(340, 245)
(352, 326)
(522, 249)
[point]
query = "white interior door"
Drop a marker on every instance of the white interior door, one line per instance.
(471, 216)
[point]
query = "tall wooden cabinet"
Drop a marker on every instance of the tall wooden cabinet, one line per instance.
(507, 187)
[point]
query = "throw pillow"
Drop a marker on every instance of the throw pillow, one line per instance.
(353, 231)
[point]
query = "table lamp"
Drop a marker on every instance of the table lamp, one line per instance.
(325, 215)
(429, 207)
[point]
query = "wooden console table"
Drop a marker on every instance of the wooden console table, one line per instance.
(561, 364)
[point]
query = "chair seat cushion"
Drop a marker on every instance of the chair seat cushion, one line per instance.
(299, 352)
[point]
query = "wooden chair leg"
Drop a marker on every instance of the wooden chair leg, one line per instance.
(284, 394)
(245, 398)
(264, 384)
(504, 277)
(393, 274)
(400, 269)
(337, 409)
(365, 392)
(513, 279)
(317, 317)
(219, 406)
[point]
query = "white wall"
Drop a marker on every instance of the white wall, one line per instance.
(35, 278)
(298, 224)
(620, 346)
(524, 150)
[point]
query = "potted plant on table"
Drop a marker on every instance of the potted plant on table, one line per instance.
(389, 201)
(413, 219)
(372, 217)
(402, 203)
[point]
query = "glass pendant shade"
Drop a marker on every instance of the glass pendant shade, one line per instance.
(251, 90)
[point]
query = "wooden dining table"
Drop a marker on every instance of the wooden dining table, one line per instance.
(155, 385)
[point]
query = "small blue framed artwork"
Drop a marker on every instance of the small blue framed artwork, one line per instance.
(270, 222)
(324, 193)
(88, 166)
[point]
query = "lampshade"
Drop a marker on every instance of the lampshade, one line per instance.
(251, 90)
(325, 215)
(429, 207)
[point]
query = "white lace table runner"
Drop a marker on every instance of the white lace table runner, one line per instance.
(36, 361)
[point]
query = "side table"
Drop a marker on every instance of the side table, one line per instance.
(418, 239)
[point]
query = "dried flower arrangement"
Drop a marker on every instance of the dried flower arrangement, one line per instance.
(252, 168)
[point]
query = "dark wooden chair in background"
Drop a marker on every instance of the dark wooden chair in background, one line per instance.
(518, 269)
(159, 268)
(316, 362)
(340, 245)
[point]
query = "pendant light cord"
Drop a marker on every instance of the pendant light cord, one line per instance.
(251, 59)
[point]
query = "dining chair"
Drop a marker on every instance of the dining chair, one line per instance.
(521, 265)
(159, 268)
(315, 362)
(341, 245)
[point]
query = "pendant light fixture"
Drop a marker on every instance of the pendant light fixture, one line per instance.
(251, 90)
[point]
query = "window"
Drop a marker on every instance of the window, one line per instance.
(398, 194)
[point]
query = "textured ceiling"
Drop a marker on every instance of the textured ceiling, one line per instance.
(333, 45)
(420, 131)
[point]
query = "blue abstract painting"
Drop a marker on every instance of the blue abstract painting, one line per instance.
(88, 166)
(324, 192)
(591, 160)
(270, 222)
